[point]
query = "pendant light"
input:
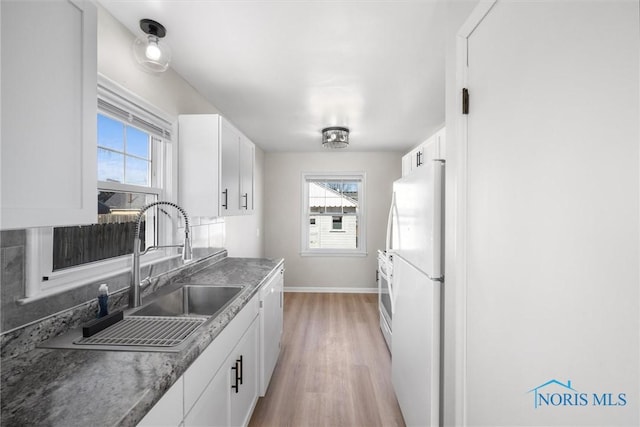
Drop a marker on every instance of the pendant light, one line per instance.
(335, 137)
(151, 52)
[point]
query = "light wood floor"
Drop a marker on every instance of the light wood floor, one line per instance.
(334, 367)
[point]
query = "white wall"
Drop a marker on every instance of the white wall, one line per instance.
(282, 207)
(168, 91)
(172, 94)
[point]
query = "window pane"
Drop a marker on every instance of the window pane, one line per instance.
(350, 191)
(333, 196)
(112, 203)
(137, 171)
(111, 237)
(110, 133)
(337, 222)
(333, 232)
(137, 142)
(110, 166)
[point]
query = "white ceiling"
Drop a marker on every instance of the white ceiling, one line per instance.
(283, 70)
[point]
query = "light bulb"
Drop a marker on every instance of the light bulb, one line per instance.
(152, 51)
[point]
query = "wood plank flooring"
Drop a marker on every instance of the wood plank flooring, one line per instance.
(334, 368)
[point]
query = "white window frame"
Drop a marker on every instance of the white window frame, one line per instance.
(163, 179)
(361, 250)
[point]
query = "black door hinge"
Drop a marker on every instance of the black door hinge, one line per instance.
(465, 100)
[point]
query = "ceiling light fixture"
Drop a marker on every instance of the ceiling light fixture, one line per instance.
(151, 52)
(335, 137)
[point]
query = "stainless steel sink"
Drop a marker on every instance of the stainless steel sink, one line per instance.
(164, 323)
(190, 300)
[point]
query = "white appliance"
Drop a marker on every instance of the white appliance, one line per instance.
(416, 230)
(384, 295)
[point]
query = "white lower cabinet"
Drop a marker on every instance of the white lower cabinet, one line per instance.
(221, 386)
(212, 407)
(243, 378)
(206, 395)
(168, 410)
(271, 322)
(229, 399)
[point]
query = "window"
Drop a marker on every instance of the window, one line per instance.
(124, 152)
(134, 169)
(333, 214)
(337, 223)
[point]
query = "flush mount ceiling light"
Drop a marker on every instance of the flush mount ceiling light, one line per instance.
(151, 52)
(335, 137)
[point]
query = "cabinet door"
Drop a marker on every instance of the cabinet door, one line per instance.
(212, 407)
(406, 164)
(271, 320)
(230, 169)
(244, 377)
(199, 164)
(168, 410)
(247, 160)
(49, 108)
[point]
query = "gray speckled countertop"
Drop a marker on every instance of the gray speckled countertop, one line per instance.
(45, 387)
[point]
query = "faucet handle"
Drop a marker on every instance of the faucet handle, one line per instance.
(147, 280)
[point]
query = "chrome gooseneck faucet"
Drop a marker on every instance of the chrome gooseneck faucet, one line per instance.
(134, 289)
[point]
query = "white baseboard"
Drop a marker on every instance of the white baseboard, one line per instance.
(338, 290)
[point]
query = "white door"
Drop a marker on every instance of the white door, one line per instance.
(552, 215)
(415, 363)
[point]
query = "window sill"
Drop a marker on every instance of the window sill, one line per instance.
(333, 253)
(65, 280)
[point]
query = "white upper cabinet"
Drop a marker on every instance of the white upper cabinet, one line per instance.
(199, 164)
(229, 169)
(216, 171)
(49, 107)
(247, 157)
(432, 148)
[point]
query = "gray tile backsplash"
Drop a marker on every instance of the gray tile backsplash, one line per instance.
(12, 276)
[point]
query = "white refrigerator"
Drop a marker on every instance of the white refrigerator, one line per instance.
(417, 236)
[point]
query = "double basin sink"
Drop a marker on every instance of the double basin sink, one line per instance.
(164, 323)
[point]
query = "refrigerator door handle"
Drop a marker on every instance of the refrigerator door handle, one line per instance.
(392, 208)
(438, 218)
(388, 263)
